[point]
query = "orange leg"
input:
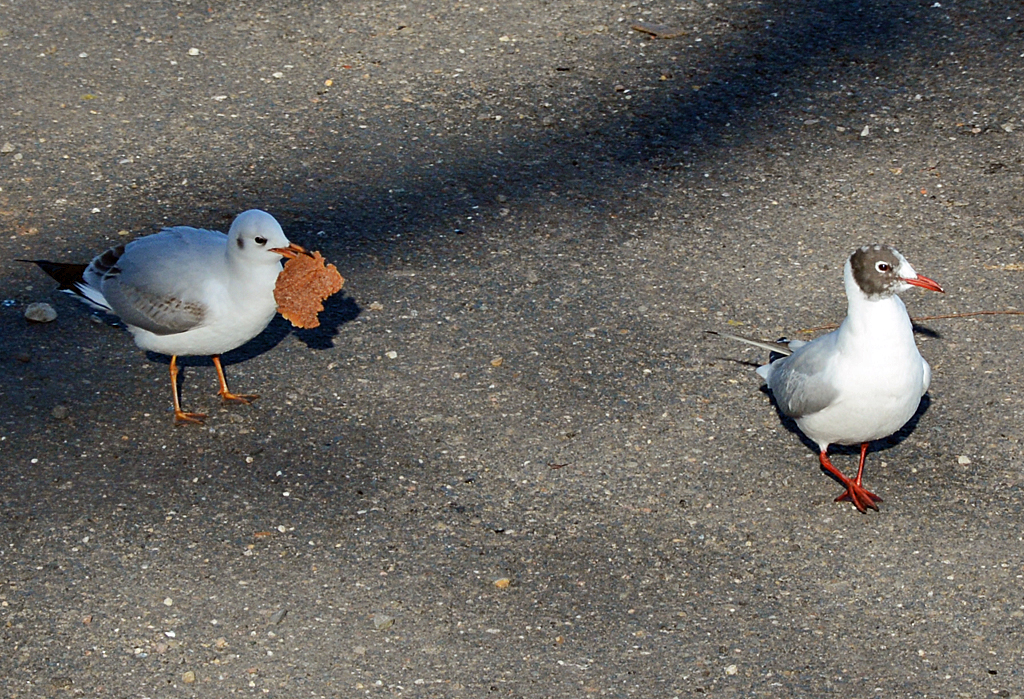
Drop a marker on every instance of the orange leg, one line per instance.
(856, 493)
(224, 393)
(179, 415)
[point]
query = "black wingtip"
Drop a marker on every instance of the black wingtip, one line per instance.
(67, 274)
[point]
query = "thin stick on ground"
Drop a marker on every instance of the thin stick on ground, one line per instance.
(920, 319)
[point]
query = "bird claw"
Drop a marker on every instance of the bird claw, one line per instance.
(181, 416)
(861, 497)
(245, 398)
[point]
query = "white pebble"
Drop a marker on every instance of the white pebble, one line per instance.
(40, 313)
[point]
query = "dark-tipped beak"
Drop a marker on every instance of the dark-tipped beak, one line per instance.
(292, 250)
(925, 283)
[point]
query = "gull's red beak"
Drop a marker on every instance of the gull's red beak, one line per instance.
(925, 283)
(292, 250)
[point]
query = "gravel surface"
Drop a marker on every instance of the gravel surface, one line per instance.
(510, 463)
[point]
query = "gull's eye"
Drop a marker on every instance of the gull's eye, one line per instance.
(882, 267)
(260, 240)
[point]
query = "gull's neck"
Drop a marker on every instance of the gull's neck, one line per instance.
(882, 318)
(248, 275)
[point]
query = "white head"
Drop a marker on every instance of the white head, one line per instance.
(255, 237)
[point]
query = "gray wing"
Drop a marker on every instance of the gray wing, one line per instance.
(154, 282)
(799, 381)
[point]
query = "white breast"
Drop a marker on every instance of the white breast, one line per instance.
(235, 313)
(879, 375)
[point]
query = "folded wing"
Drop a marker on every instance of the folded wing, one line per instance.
(154, 283)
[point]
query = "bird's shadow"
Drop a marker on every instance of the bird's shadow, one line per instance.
(742, 362)
(878, 445)
(338, 310)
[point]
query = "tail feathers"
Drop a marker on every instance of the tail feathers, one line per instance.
(70, 277)
(67, 274)
(777, 347)
(92, 297)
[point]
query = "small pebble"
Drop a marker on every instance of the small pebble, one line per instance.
(376, 306)
(382, 621)
(7, 147)
(60, 412)
(502, 583)
(193, 52)
(188, 677)
(41, 313)
(392, 354)
(963, 460)
(168, 602)
(278, 616)
(731, 670)
(497, 361)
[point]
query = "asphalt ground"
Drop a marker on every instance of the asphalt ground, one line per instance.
(510, 462)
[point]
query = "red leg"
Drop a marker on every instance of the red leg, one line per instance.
(860, 469)
(224, 393)
(179, 415)
(861, 498)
